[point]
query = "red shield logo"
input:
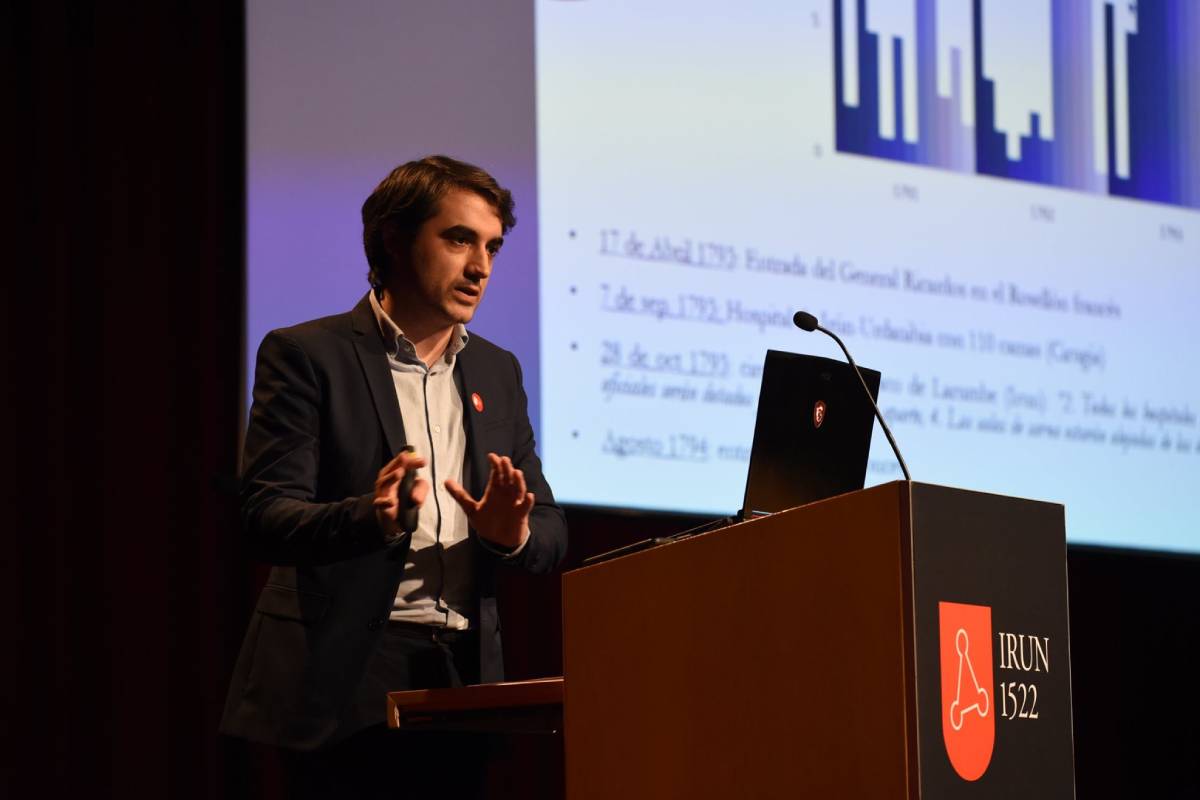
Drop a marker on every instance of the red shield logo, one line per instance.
(968, 721)
(819, 414)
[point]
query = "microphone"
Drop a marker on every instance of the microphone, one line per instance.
(807, 322)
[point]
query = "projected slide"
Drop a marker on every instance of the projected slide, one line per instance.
(985, 199)
(1084, 94)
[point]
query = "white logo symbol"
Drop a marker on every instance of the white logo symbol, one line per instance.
(980, 706)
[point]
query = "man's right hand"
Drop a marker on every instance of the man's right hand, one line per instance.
(389, 505)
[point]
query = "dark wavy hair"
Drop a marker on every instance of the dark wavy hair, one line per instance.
(410, 194)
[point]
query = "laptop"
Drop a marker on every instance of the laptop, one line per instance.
(811, 440)
(812, 433)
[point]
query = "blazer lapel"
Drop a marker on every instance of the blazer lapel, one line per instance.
(368, 344)
(476, 467)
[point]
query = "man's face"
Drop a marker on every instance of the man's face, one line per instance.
(442, 277)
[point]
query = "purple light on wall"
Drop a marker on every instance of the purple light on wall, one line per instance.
(337, 95)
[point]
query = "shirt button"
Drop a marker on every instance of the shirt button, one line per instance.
(374, 624)
(437, 428)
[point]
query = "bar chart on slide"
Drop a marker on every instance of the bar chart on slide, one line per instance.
(1093, 95)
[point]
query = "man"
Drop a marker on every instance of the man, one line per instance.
(344, 408)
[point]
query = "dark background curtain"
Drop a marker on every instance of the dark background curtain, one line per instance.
(125, 586)
(123, 350)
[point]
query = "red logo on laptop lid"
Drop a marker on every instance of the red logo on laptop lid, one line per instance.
(968, 718)
(819, 414)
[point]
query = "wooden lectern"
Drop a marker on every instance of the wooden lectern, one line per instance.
(905, 641)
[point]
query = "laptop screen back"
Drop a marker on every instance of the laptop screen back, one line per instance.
(812, 434)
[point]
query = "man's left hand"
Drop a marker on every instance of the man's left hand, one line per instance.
(501, 516)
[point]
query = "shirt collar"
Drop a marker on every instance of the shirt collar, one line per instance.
(398, 345)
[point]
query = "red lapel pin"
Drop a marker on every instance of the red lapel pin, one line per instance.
(477, 401)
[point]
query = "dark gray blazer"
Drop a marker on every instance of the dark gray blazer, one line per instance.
(323, 422)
